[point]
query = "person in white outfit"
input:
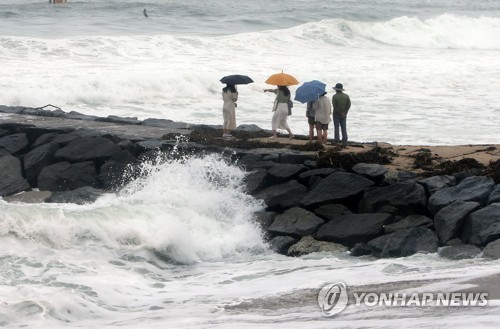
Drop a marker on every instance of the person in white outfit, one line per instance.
(322, 118)
(280, 110)
(229, 96)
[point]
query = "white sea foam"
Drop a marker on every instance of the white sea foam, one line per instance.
(408, 86)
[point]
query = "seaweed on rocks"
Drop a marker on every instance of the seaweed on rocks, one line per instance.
(493, 170)
(424, 159)
(346, 160)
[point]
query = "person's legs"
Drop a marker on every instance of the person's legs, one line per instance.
(311, 133)
(336, 123)
(343, 125)
(325, 135)
(319, 132)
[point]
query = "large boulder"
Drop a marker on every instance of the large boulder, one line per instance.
(4, 132)
(336, 188)
(264, 218)
(483, 225)
(88, 149)
(45, 138)
(283, 172)
(14, 144)
(310, 176)
(308, 245)
(372, 171)
(353, 228)
(296, 222)
(393, 177)
(119, 170)
(464, 251)
(331, 211)
(409, 241)
(409, 222)
(449, 220)
(64, 176)
(492, 250)
(254, 161)
(405, 197)
(281, 243)
(11, 179)
(282, 196)
(255, 180)
(38, 158)
(494, 196)
(435, 183)
(475, 188)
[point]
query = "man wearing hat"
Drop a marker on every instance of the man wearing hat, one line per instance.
(341, 105)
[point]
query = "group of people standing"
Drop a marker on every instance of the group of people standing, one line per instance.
(319, 113)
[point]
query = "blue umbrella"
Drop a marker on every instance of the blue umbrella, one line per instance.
(236, 79)
(310, 91)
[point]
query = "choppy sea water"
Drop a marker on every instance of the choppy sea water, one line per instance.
(178, 248)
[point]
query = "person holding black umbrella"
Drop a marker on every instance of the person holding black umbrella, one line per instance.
(229, 96)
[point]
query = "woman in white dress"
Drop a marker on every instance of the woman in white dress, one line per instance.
(229, 96)
(280, 110)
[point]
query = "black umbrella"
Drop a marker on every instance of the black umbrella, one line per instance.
(236, 79)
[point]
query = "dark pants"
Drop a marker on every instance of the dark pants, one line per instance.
(340, 120)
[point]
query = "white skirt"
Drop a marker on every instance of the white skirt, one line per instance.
(280, 116)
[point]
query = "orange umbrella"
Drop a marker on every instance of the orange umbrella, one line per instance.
(282, 79)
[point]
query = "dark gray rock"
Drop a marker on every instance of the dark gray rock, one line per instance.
(331, 211)
(38, 158)
(435, 183)
(282, 196)
(254, 161)
(117, 119)
(378, 244)
(483, 225)
(494, 196)
(45, 139)
(119, 170)
(152, 145)
(88, 149)
(14, 144)
(409, 222)
(308, 245)
(296, 222)
(29, 197)
(11, 109)
(65, 176)
(79, 196)
(454, 242)
(255, 180)
(393, 177)
(406, 197)
(157, 122)
(354, 228)
(361, 249)
(492, 250)
(4, 132)
(280, 244)
(264, 218)
(64, 139)
(321, 172)
(336, 188)
(280, 173)
(295, 158)
(80, 116)
(464, 251)
(248, 128)
(372, 171)
(475, 188)
(449, 220)
(3, 152)
(312, 164)
(11, 179)
(410, 241)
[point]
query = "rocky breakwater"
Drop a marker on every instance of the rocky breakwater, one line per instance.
(317, 204)
(315, 199)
